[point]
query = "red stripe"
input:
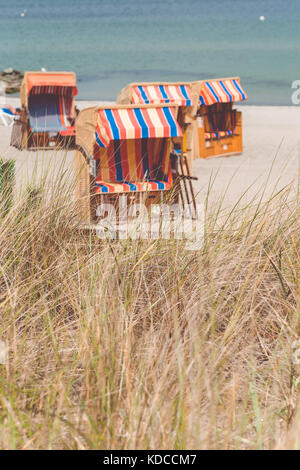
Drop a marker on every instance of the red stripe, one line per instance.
(170, 178)
(61, 114)
(120, 125)
(209, 95)
(154, 185)
(111, 162)
(110, 187)
(181, 94)
(124, 160)
(171, 98)
(137, 91)
(106, 126)
(105, 142)
(159, 94)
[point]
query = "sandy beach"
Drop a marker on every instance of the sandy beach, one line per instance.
(270, 157)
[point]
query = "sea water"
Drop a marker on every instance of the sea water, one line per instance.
(110, 43)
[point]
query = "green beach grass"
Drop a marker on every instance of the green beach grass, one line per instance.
(143, 345)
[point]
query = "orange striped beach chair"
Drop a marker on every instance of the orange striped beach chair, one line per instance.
(219, 125)
(48, 109)
(125, 150)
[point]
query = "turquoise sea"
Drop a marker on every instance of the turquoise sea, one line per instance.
(110, 43)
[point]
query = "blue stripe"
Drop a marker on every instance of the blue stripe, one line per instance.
(103, 188)
(212, 90)
(132, 186)
(239, 89)
(171, 122)
(144, 96)
(226, 91)
(118, 161)
(99, 141)
(160, 184)
(202, 100)
(8, 111)
(163, 92)
(142, 123)
(184, 92)
(113, 125)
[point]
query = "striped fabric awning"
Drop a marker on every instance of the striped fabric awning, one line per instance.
(135, 123)
(53, 90)
(165, 94)
(217, 135)
(42, 82)
(146, 186)
(222, 91)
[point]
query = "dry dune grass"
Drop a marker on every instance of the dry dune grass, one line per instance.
(141, 344)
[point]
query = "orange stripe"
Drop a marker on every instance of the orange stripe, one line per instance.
(138, 159)
(61, 112)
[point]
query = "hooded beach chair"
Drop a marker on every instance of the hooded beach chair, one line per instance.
(219, 125)
(124, 150)
(48, 109)
(169, 93)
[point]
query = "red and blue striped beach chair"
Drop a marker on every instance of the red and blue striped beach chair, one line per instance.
(219, 124)
(179, 94)
(128, 150)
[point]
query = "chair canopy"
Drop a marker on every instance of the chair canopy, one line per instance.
(227, 90)
(132, 145)
(135, 123)
(157, 93)
(40, 83)
(49, 98)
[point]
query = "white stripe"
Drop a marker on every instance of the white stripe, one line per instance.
(135, 97)
(152, 94)
(221, 92)
(232, 90)
(156, 122)
(125, 119)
